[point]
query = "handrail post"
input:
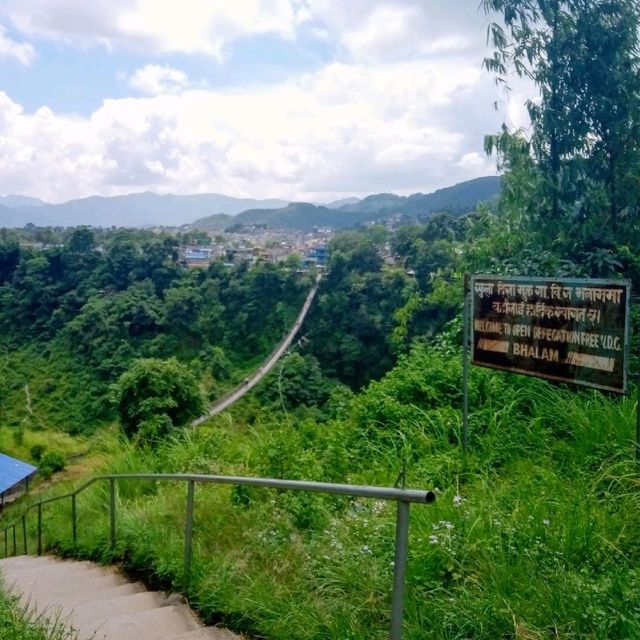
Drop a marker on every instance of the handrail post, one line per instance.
(399, 569)
(15, 546)
(188, 534)
(6, 543)
(24, 533)
(112, 510)
(39, 528)
(74, 519)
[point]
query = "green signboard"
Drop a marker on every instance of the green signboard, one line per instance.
(572, 330)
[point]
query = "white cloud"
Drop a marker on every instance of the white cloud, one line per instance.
(364, 29)
(349, 128)
(187, 26)
(383, 30)
(23, 52)
(403, 107)
(475, 161)
(154, 79)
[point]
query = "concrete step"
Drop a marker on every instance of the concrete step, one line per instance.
(208, 633)
(99, 604)
(27, 561)
(68, 585)
(83, 614)
(152, 624)
(126, 589)
(57, 572)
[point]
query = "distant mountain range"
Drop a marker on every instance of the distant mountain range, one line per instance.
(135, 210)
(213, 212)
(302, 216)
(20, 201)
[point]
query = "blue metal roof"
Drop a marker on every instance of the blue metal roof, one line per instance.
(13, 471)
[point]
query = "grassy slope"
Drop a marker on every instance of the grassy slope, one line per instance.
(535, 538)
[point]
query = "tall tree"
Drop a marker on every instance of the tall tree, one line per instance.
(583, 56)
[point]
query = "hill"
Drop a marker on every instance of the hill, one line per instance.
(133, 210)
(12, 217)
(456, 199)
(536, 530)
(211, 224)
(16, 202)
(303, 216)
(341, 203)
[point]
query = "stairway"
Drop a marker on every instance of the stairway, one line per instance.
(99, 603)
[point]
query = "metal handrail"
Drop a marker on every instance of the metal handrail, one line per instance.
(403, 498)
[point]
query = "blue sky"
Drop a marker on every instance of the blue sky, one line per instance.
(298, 99)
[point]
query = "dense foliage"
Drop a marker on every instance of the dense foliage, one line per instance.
(575, 178)
(74, 317)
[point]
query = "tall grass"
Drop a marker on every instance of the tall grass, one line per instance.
(20, 623)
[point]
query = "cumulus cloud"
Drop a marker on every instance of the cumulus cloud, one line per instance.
(187, 26)
(403, 107)
(23, 52)
(364, 29)
(383, 30)
(154, 79)
(348, 128)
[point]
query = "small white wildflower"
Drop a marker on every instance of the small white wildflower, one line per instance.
(434, 539)
(366, 548)
(457, 501)
(378, 507)
(546, 522)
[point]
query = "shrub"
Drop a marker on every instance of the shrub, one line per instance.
(51, 462)
(37, 451)
(155, 390)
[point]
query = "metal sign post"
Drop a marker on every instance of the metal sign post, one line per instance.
(638, 424)
(638, 420)
(465, 365)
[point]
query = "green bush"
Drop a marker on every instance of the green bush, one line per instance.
(37, 451)
(50, 463)
(155, 394)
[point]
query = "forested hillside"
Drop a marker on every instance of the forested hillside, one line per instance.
(74, 317)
